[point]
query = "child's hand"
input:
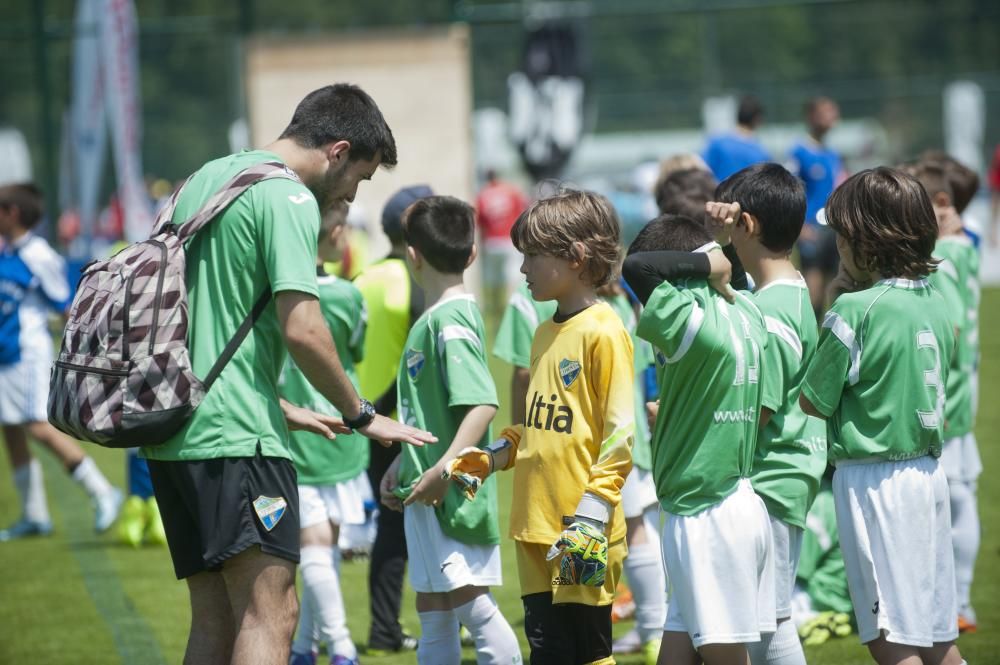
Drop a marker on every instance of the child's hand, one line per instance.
(469, 470)
(845, 282)
(652, 410)
(720, 219)
(430, 489)
(390, 482)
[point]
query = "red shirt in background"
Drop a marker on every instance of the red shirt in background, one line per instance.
(994, 174)
(497, 208)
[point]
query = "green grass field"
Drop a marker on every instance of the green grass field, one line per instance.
(76, 598)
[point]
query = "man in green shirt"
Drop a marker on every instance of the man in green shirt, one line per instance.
(225, 483)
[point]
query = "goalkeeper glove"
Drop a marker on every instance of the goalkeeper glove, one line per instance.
(472, 466)
(584, 551)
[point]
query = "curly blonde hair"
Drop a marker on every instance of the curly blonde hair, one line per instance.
(553, 226)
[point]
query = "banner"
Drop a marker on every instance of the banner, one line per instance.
(87, 128)
(120, 64)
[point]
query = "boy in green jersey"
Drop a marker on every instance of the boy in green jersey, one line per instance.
(761, 209)
(957, 279)
(444, 383)
(716, 540)
(331, 474)
(878, 377)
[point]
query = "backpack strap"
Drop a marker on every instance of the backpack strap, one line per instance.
(219, 201)
(237, 339)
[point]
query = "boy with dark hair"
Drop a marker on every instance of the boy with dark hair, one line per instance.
(761, 209)
(957, 279)
(331, 474)
(685, 192)
(570, 529)
(889, 334)
(445, 385)
(32, 284)
(716, 539)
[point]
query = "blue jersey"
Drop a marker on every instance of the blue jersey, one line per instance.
(32, 281)
(728, 153)
(819, 168)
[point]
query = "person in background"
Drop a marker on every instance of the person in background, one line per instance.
(728, 153)
(821, 170)
(497, 207)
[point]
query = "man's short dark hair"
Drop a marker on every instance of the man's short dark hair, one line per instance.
(670, 232)
(685, 193)
(343, 112)
(443, 230)
(774, 196)
(750, 112)
(28, 200)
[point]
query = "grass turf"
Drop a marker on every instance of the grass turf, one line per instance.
(81, 599)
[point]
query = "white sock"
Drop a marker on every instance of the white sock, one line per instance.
(781, 647)
(322, 587)
(439, 642)
(90, 478)
(646, 580)
(306, 636)
(965, 539)
(29, 483)
(496, 643)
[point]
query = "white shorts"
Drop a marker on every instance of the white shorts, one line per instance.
(719, 563)
(341, 503)
(787, 542)
(894, 520)
(24, 392)
(639, 493)
(439, 563)
(960, 459)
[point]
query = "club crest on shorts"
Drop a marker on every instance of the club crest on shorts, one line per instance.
(270, 510)
(414, 362)
(568, 371)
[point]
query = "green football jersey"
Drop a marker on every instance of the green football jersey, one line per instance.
(444, 371)
(957, 279)
(642, 456)
(266, 238)
(318, 460)
(517, 327)
(880, 371)
(791, 449)
(821, 565)
(710, 394)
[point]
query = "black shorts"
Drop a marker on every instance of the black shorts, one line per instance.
(566, 633)
(214, 509)
(820, 253)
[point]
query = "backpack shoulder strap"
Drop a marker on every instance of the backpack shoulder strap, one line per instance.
(219, 201)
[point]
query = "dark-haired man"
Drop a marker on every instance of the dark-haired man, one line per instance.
(225, 483)
(728, 153)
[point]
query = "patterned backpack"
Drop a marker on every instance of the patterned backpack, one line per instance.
(123, 377)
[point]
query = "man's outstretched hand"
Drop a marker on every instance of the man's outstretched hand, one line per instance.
(385, 431)
(299, 418)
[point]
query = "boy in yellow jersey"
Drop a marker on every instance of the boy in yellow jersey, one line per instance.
(573, 453)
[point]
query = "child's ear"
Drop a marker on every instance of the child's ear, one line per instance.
(472, 255)
(750, 223)
(416, 260)
(578, 252)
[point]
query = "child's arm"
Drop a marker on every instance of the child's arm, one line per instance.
(831, 368)
(613, 370)
(433, 484)
(472, 466)
(647, 270)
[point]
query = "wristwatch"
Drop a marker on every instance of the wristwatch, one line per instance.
(365, 417)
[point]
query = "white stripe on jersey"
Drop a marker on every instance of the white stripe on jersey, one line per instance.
(693, 326)
(521, 304)
(785, 333)
(453, 332)
(948, 268)
(842, 331)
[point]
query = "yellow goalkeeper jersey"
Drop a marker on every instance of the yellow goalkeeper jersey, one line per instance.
(579, 426)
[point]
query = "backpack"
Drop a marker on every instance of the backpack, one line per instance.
(123, 377)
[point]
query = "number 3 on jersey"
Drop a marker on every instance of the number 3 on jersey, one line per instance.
(932, 380)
